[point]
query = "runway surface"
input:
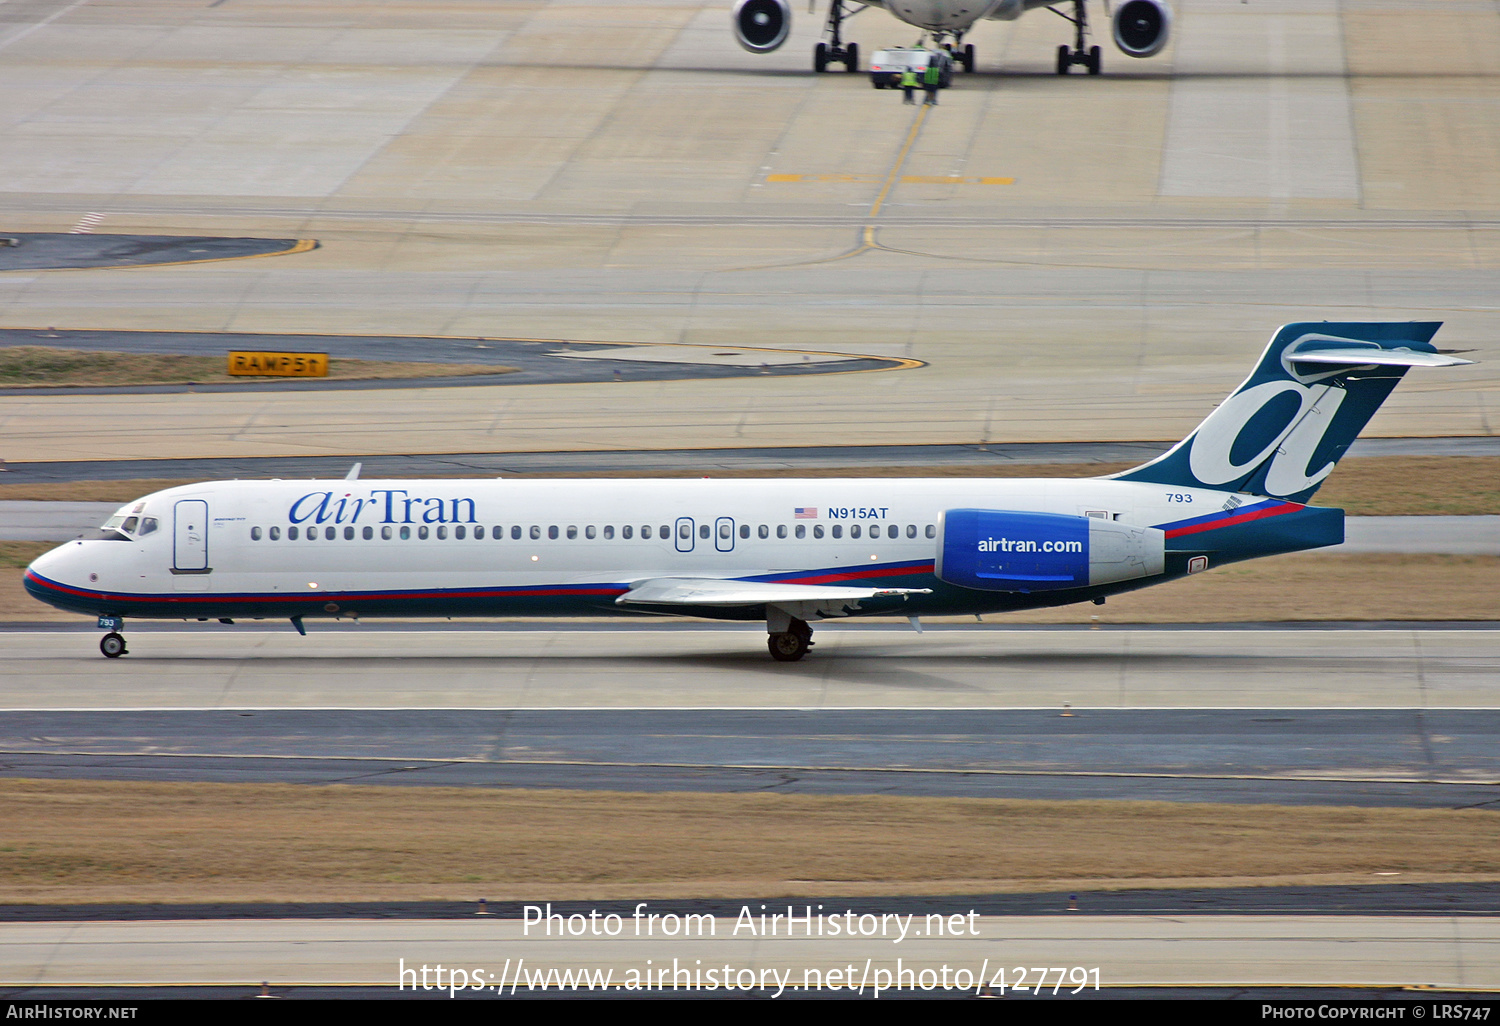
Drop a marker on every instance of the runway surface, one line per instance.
(1443, 952)
(658, 665)
(1412, 758)
(1397, 717)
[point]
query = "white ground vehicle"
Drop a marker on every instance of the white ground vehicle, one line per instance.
(886, 66)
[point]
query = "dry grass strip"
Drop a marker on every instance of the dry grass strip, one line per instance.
(84, 840)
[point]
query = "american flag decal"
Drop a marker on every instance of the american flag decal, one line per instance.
(805, 513)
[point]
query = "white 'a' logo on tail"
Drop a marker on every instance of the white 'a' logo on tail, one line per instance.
(1293, 445)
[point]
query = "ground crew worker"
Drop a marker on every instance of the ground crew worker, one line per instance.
(908, 83)
(930, 82)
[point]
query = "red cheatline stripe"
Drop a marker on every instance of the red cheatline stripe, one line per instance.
(1258, 514)
(860, 575)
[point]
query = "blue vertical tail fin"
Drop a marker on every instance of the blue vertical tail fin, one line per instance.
(1315, 388)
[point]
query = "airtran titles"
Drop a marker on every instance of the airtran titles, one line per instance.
(382, 506)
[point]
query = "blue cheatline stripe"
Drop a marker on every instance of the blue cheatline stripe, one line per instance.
(189, 599)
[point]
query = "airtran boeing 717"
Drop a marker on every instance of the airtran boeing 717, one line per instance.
(786, 552)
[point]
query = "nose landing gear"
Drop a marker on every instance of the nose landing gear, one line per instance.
(1066, 58)
(113, 645)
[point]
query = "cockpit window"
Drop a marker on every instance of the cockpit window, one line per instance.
(130, 524)
(148, 525)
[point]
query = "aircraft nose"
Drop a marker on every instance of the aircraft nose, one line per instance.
(54, 565)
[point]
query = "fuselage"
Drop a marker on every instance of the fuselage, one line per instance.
(956, 15)
(572, 547)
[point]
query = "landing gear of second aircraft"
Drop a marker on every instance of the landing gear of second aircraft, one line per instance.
(792, 644)
(1067, 57)
(834, 51)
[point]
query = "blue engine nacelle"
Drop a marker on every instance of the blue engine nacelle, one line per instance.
(1004, 550)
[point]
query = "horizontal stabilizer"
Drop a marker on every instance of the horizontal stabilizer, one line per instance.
(709, 591)
(1375, 357)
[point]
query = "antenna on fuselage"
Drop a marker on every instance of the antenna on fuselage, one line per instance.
(353, 474)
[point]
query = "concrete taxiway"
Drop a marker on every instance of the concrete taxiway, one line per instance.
(343, 665)
(1073, 258)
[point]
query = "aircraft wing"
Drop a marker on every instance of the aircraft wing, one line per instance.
(708, 591)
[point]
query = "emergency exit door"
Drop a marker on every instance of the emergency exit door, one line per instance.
(190, 536)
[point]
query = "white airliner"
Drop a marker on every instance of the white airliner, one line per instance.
(1140, 27)
(788, 552)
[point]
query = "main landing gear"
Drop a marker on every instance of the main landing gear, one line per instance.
(791, 644)
(113, 645)
(1067, 58)
(834, 51)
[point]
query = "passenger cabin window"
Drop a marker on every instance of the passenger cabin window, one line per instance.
(536, 532)
(442, 532)
(572, 532)
(275, 533)
(368, 533)
(515, 533)
(291, 534)
(838, 530)
(703, 531)
(609, 531)
(330, 533)
(745, 530)
(552, 532)
(801, 530)
(627, 531)
(817, 530)
(854, 530)
(931, 531)
(405, 534)
(911, 530)
(385, 533)
(780, 531)
(348, 534)
(422, 533)
(666, 532)
(459, 532)
(255, 534)
(589, 532)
